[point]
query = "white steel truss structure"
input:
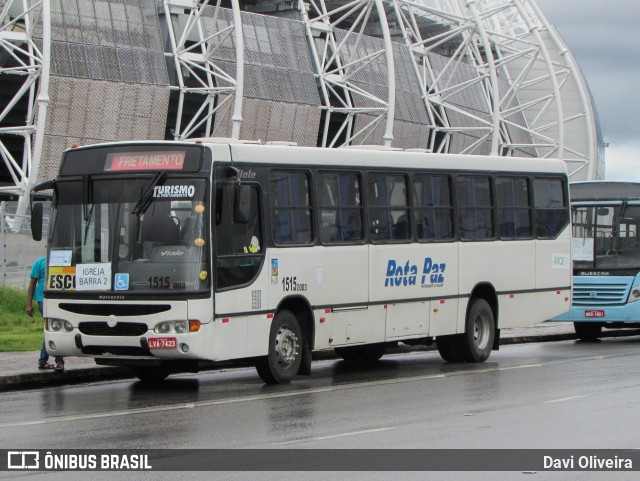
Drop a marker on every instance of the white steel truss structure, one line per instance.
(523, 71)
(493, 77)
(337, 61)
(493, 72)
(27, 66)
(192, 48)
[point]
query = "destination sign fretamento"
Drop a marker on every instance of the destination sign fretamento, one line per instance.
(159, 160)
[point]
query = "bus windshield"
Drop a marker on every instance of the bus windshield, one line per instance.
(141, 233)
(605, 236)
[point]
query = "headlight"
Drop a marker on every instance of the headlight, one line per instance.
(634, 295)
(55, 324)
(172, 327)
(68, 326)
(163, 328)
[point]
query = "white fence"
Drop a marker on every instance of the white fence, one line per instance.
(17, 249)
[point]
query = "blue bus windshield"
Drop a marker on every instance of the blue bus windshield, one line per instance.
(606, 236)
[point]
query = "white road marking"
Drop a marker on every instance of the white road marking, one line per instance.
(581, 396)
(333, 436)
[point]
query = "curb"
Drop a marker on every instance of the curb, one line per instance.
(14, 382)
(17, 382)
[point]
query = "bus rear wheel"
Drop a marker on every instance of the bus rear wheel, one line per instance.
(367, 353)
(476, 343)
(481, 330)
(587, 331)
(285, 350)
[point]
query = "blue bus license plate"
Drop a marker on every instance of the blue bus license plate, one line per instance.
(594, 313)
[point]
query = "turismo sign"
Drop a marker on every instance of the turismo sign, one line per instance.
(158, 160)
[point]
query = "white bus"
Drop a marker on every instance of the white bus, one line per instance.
(165, 254)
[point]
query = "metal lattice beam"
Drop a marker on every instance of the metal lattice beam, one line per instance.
(336, 38)
(196, 73)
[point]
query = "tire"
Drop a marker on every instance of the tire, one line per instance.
(587, 331)
(151, 375)
(477, 341)
(366, 353)
(449, 348)
(285, 350)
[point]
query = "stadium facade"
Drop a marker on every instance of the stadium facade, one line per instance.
(457, 76)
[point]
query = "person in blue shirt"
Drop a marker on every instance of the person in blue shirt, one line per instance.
(36, 291)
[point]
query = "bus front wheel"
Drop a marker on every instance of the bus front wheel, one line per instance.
(282, 362)
(587, 331)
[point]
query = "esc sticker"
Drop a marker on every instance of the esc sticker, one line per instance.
(61, 278)
(93, 277)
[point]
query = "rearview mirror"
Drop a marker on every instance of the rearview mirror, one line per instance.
(36, 221)
(242, 204)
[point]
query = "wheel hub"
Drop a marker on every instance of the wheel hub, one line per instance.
(481, 331)
(287, 346)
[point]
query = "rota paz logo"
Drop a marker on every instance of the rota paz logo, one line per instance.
(406, 274)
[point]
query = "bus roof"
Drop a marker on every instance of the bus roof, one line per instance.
(354, 156)
(389, 158)
(604, 190)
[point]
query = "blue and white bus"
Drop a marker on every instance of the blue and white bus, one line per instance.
(165, 254)
(606, 257)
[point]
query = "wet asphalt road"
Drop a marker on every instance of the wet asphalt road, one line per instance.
(549, 395)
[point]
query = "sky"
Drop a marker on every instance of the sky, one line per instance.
(604, 37)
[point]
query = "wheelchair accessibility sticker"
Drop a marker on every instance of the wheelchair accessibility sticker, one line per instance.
(122, 282)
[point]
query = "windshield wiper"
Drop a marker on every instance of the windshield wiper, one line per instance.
(145, 198)
(87, 219)
(87, 198)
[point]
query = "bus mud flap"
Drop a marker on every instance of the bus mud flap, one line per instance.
(305, 364)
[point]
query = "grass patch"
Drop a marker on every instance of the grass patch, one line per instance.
(18, 332)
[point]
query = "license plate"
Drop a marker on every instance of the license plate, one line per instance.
(162, 343)
(594, 313)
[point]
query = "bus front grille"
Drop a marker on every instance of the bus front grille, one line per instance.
(115, 350)
(115, 309)
(595, 295)
(120, 329)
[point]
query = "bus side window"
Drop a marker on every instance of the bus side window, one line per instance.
(388, 207)
(433, 207)
(475, 207)
(339, 207)
(290, 208)
(512, 203)
(238, 244)
(550, 206)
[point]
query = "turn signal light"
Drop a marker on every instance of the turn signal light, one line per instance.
(194, 325)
